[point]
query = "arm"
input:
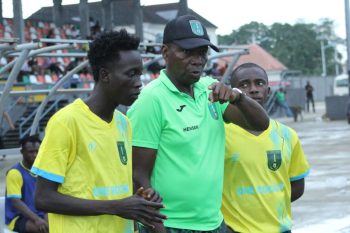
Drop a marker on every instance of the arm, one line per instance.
(242, 110)
(297, 189)
(248, 114)
(8, 120)
(23, 209)
(135, 207)
(142, 170)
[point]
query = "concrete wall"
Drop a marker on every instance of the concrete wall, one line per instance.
(322, 86)
(336, 107)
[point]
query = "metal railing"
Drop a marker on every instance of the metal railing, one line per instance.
(25, 53)
(31, 116)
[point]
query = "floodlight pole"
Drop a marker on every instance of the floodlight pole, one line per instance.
(347, 21)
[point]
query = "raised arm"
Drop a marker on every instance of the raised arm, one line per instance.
(135, 207)
(241, 110)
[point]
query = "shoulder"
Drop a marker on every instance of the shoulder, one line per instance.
(207, 80)
(67, 114)
(285, 131)
(14, 173)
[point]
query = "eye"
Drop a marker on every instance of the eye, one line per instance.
(186, 51)
(243, 85)
(134, 73)
(261, 83)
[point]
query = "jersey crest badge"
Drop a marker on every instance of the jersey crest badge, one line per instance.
(274, 159)
(122, 153)
(213, 112)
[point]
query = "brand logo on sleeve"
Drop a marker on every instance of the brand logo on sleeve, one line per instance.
(122, 153)
(213, 111)
(274, 159)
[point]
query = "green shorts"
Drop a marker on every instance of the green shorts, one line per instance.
(221, 229)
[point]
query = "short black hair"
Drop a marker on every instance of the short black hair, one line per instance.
(245, 66)
(106, 47)
(29, 138)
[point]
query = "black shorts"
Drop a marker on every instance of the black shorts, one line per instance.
(20, 225)
(221, 229)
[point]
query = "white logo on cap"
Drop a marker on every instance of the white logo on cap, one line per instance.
(196, 27)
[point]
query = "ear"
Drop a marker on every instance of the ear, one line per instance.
(268, 91)
(104, 75)
(165, 50)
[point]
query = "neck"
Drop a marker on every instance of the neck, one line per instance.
(187, 89)
(101, 106)
(26, 164)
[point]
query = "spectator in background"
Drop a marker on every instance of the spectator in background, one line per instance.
(309, 96)
(11, 126)
(95, 29)
(214, 70)
(20, 212)
(348, 112)
(74, 32)
(281, 102)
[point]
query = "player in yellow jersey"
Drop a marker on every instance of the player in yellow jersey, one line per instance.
(84, 163)
(264, 170)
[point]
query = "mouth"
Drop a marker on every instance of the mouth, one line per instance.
(196, 73)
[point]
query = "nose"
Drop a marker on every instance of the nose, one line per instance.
(198, 59)
(138, 83)
(253, 89)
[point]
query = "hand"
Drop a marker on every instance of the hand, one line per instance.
(138, 208)
(41, 225)
(222, 93)
(151, 195)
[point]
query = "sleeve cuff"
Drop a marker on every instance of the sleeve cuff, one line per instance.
(47, 175)
(299, 177)
(14, 196)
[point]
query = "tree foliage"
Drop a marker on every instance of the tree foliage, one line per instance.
(296, 46)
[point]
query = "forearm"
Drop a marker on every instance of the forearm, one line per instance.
(297, 188)
(24, 209)
(253, 113)
(54, 202)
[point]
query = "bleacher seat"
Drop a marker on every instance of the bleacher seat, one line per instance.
(54, 77)
(48, 79)
(40, 79)
(32, 79)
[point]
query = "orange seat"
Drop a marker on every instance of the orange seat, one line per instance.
(54, 77)
(40, 78)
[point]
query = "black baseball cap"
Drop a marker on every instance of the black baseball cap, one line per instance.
(187, 32)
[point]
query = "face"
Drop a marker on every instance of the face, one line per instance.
(29, 152)
(122, 78)
(184, 66)
(253, 82)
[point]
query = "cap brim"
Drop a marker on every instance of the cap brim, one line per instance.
(192, 43)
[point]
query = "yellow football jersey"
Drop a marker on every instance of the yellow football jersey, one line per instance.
(258, 172)
(91, 159)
